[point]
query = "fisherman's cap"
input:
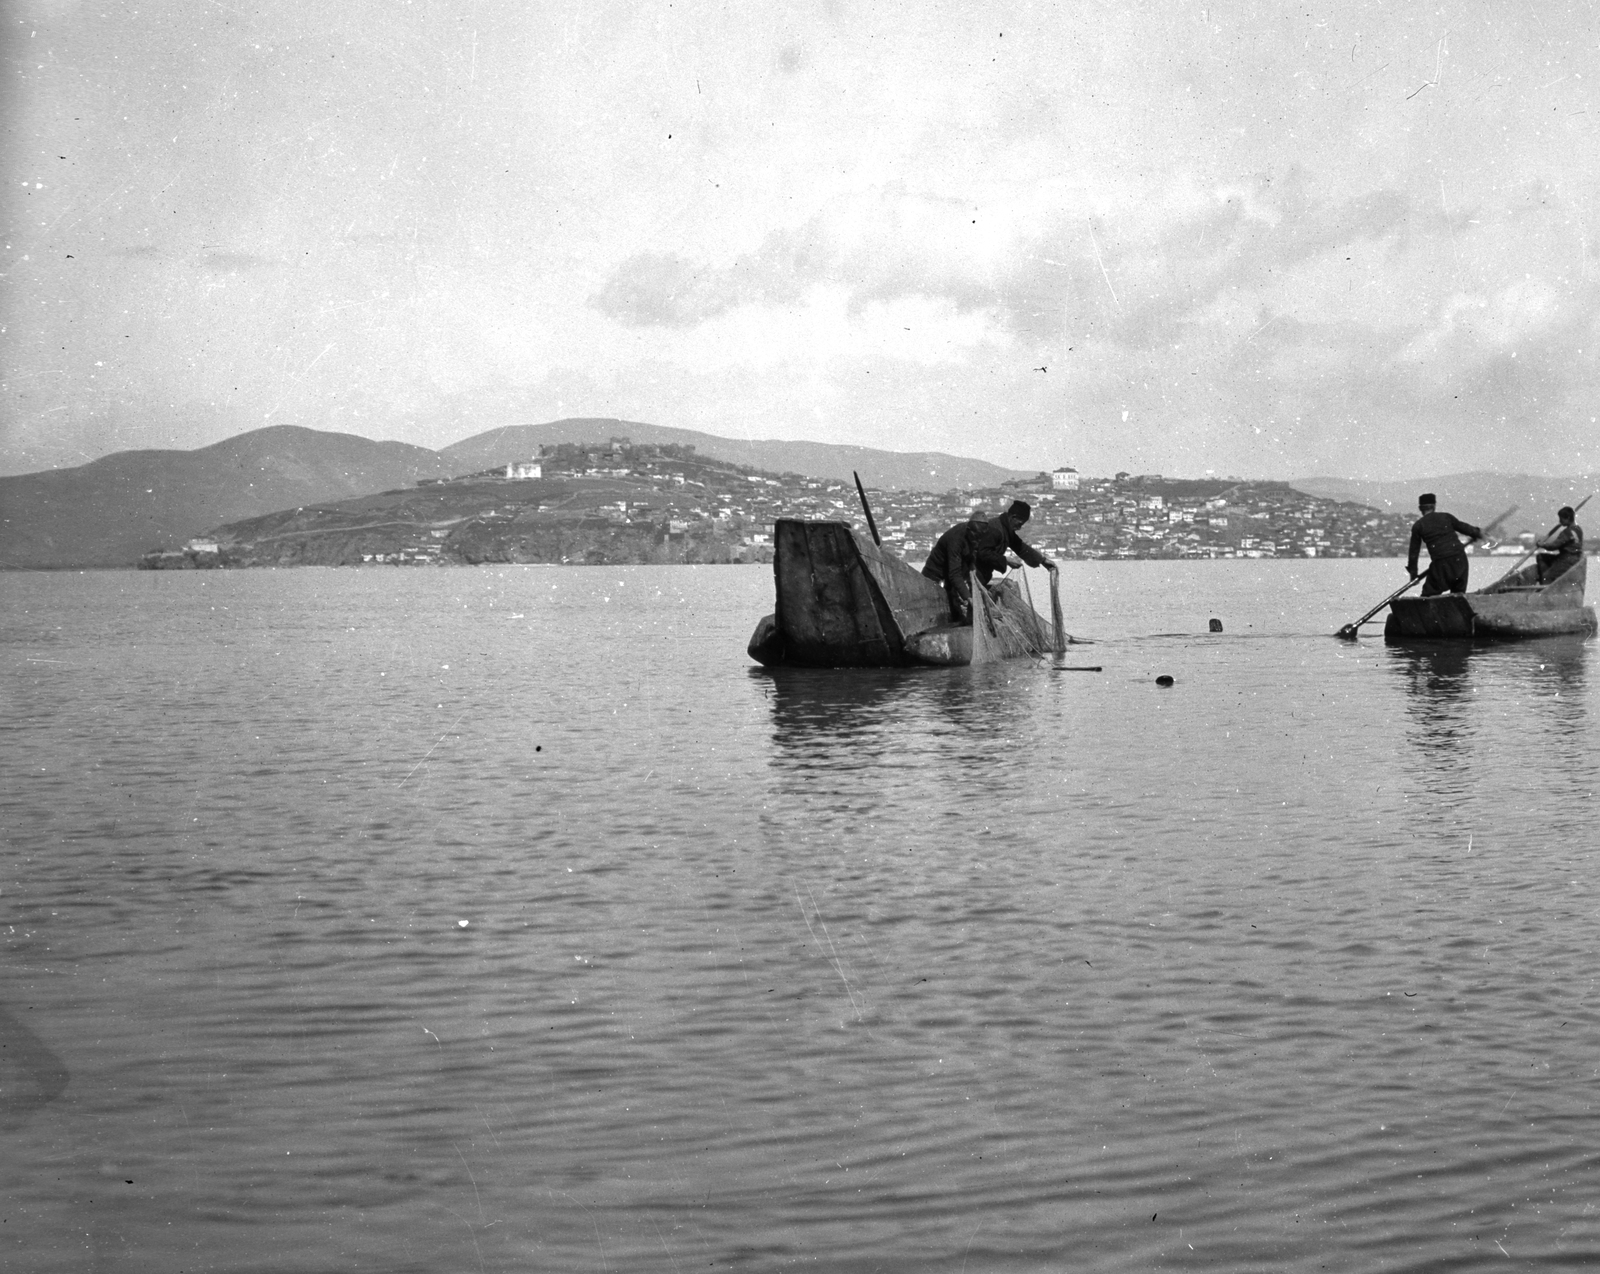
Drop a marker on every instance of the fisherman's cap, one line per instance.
(1565, 511)
(1427, 497)
(1021, 510)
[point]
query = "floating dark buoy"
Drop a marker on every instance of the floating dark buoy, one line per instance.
(1216, 625)
(1163, 680)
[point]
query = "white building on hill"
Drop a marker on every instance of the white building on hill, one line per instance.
(1064, 479)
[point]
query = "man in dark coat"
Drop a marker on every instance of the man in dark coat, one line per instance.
(995, 539)
(1561, 548)
(952, 560)
(1447, 560)
(981, 546)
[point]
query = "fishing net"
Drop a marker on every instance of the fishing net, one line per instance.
(1058, 622)
(1004, 625)
(1058, 635)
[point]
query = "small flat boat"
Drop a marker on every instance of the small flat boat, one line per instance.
(843, 602)
(1514, 607)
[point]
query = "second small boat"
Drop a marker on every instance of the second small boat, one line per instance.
(1513, 607)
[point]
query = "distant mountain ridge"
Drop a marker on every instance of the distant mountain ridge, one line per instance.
(1476, 497)
(110, 511)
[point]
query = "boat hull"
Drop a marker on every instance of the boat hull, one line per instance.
(1004, 627)
(1510, 609)
(844, 602)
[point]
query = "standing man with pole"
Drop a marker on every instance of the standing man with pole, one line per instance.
(1447, 560)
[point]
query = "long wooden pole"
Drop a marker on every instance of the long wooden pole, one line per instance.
(1494, 526)
(867, 509)
(1352, 630)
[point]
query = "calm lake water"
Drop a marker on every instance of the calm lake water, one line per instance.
(510, 919)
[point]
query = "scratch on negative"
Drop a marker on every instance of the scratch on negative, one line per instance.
(1261, 329)
(1438, 69)
(1102, 264)
(431, 750)
(833, 954)
(470, 1178)
(304, 372)
(970, 1242)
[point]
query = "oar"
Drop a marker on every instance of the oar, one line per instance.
(1494, 526)
(866, 508)
(1352, 631)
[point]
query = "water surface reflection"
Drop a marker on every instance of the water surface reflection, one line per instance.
(31, 1073)
(1554, 672)
(1463, 703)
(636, 962)
(958, 725)
(1441, 678)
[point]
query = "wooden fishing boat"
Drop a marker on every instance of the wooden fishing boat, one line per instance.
(843, 601)
(1512, 607)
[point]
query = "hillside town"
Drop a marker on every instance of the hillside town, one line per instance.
(616, 502)
(1074, 516)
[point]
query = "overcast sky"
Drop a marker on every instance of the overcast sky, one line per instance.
(1274, 240)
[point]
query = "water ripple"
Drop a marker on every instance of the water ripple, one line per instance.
(361, 925)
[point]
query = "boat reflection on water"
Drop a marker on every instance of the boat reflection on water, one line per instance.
(1459, 695)
(1552, 672)
(822, 717)
(916, 725)
(31, 1074)
(1435, 675)
(1439, 676)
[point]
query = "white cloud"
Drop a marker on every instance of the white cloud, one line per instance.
(1471, 328)
(831, 220)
